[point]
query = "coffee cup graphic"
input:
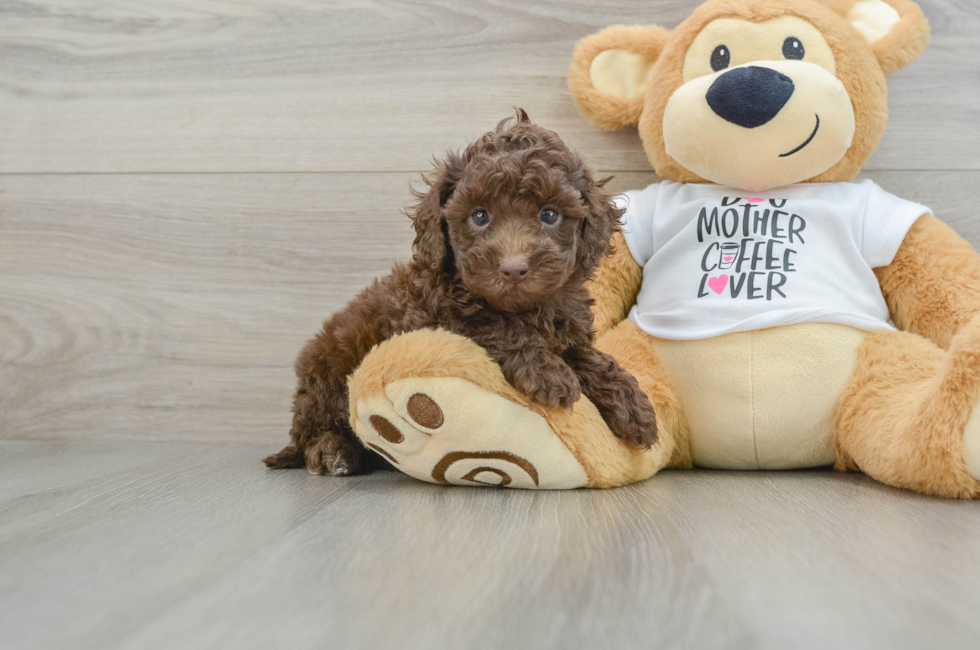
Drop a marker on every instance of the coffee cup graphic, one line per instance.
(729, 251)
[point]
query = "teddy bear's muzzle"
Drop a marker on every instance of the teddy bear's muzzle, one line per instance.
(760, 125)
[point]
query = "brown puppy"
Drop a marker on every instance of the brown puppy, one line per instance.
(506, 237)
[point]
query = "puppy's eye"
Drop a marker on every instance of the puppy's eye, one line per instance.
(721, 58)
(480, 218)
(549, 217)
(793, 49)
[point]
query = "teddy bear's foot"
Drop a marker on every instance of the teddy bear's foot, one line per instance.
(438, 408)
(448, 430)
(910, 416)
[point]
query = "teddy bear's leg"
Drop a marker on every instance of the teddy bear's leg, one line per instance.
(436, 406)
(909, 415)
(633, 349)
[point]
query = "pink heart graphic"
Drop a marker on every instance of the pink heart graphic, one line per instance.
(755, 200)
(718, 284)
(729, 258)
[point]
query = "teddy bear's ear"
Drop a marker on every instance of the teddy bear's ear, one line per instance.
(609, 72)
(896, 29)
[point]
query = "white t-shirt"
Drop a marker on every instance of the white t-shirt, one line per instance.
(717, 260)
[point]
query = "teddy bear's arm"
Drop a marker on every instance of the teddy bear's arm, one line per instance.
(615, 286)
(932, 287)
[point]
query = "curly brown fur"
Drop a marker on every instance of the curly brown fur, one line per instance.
(515, 285)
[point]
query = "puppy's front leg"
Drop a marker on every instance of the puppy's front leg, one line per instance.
(616, 394)
(541, 375)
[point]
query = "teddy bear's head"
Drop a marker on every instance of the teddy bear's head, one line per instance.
(753, 94)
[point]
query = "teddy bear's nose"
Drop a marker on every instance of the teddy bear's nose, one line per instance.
(750, 96)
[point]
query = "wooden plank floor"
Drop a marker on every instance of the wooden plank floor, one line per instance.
(195, 545)
(188, 187)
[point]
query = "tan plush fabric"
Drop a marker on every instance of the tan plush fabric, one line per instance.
(615, 286)
(903, 415)
(763, 399)
(905, 41)
(604, 110)
(756, 159)
(621, 464)
(933, 286)
(971, 445)
(751, 42)
(619, 73)
(873, 18)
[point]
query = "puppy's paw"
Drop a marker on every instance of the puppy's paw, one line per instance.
(334, 455)
(632, 418)
(289, 458)
(553, 386)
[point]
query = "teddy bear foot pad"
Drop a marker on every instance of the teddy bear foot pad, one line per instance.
(450, 431)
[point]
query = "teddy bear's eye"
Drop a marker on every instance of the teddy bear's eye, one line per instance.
(721, 58)
(793, 49)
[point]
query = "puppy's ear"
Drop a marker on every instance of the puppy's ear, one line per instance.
(430, 247)
(896, 29)
(600, 224)
(609, 71)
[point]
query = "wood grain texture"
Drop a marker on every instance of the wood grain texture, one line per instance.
(367, 85)
(118, 291)
(171, 307)
(182, 545)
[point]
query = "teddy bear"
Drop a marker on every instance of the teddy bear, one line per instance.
(776, 313)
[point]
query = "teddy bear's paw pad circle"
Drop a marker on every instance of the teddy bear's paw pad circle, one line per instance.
(424, 411)
(448, 430)
(501, 469)
(383, 430)
(386, 429)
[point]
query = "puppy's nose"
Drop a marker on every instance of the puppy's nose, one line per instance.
(515, 269)
(750, 96)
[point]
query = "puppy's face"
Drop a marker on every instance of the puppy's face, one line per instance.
(515, 223)
(517, 216)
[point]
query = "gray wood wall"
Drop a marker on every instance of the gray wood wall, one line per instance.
(188, 187)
